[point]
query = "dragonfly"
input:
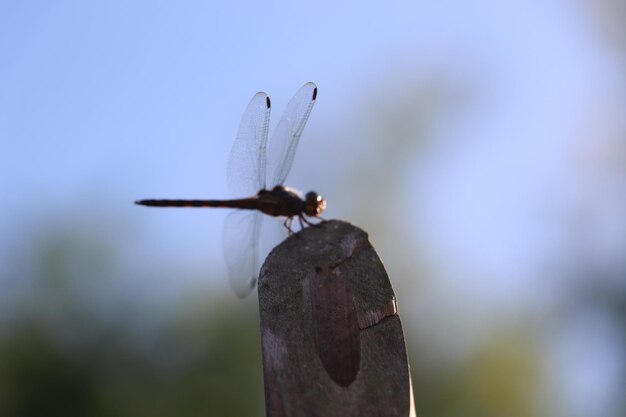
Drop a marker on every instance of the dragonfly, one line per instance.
(256, 172)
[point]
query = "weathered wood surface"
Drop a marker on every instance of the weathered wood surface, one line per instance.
(331, 335)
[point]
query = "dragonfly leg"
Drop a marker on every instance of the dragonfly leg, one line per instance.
(304, 219)
(287, 224)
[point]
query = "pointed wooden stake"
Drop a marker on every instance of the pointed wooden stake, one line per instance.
(331, 335)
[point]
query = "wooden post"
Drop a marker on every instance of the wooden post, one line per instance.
(331, 335)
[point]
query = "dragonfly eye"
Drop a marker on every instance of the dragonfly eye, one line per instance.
(314, 204)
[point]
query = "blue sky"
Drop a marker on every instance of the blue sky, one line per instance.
(144, 99)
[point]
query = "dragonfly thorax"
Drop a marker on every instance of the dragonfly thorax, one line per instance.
(284, 201)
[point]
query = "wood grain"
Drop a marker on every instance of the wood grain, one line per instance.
(331, 336)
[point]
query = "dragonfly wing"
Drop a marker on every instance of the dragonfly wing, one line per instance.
(246, 165)
(282, 147)
(274, 232)
(242, 230)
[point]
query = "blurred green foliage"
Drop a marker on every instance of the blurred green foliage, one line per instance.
(64, 353)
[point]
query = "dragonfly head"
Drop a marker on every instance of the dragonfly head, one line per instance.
(314, 204)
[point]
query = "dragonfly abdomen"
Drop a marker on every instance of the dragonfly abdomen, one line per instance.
(244, 203)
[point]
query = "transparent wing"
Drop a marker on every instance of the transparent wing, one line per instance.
(242, 229)
(246, 165)
(274, 232)
(282, 147)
